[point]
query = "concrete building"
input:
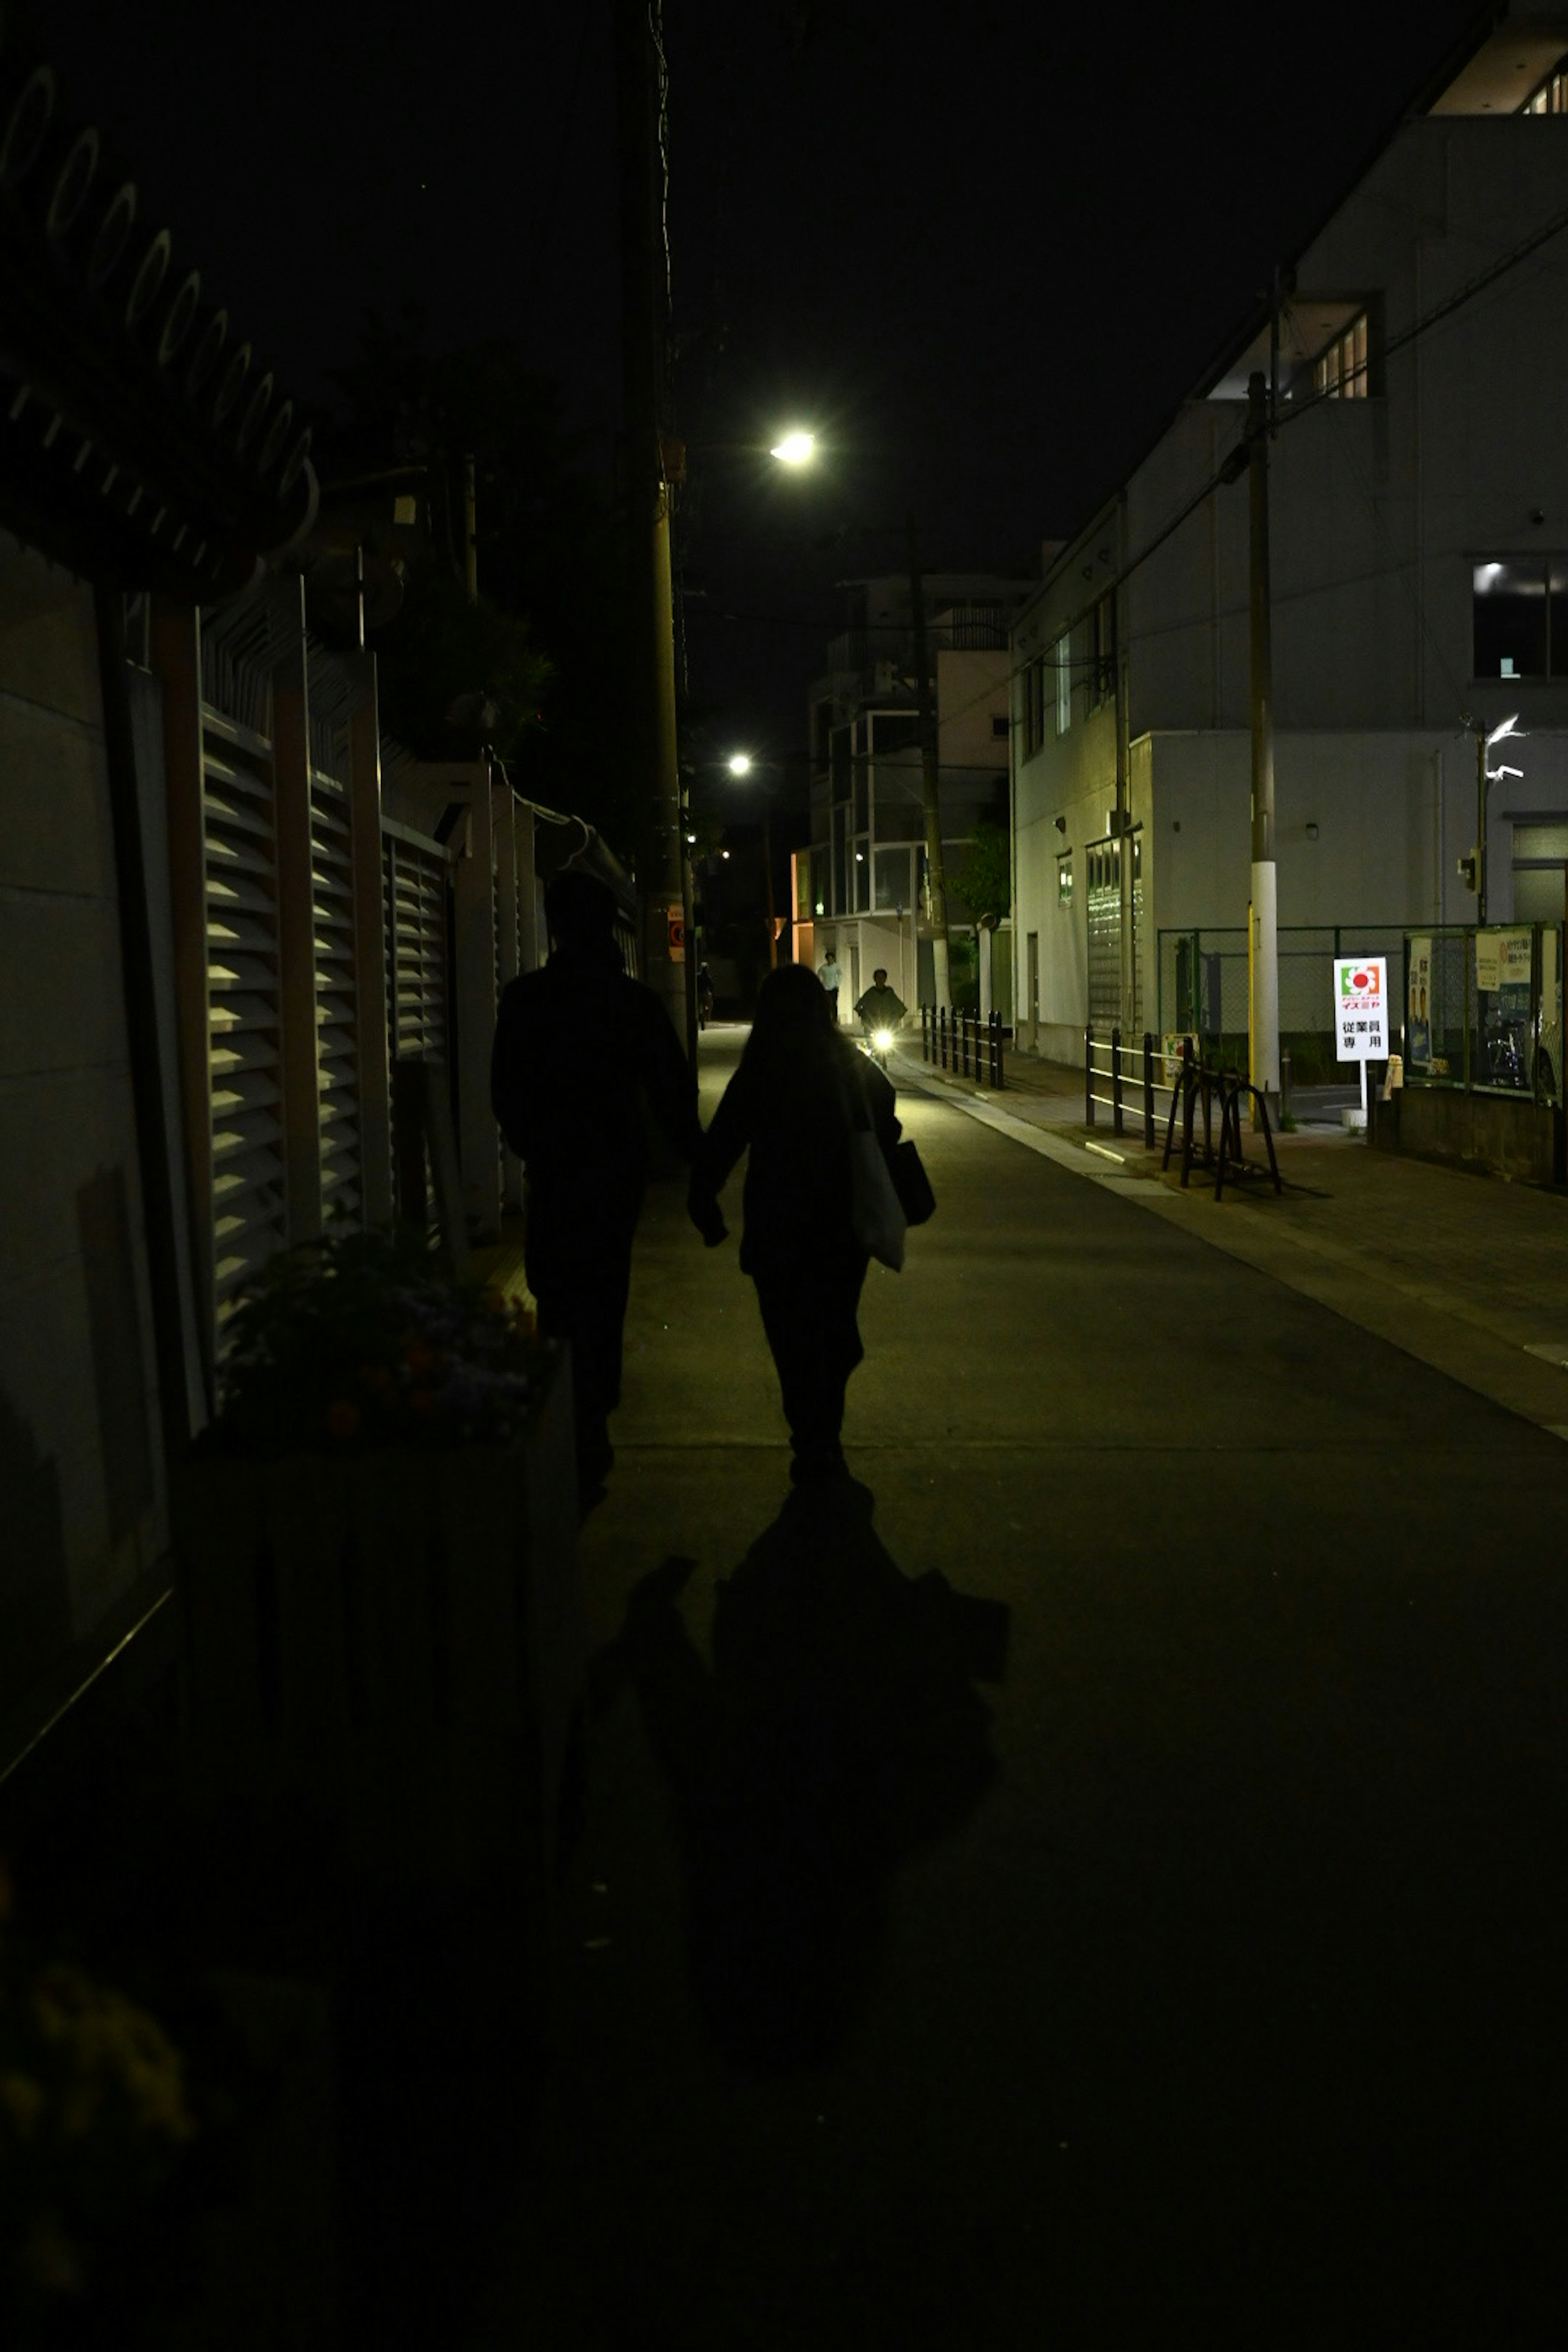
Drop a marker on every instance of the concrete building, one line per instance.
(861, 884)
(1419, 574)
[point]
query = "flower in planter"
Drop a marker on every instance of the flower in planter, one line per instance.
(93, 2119)
(354, 1342)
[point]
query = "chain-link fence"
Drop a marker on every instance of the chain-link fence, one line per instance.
(1483, 1009)
(1204, 988)
(1480, 1009)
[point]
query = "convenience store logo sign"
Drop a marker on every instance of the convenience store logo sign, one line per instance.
(1360, 993)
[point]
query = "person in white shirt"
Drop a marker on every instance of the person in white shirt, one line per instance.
(832, 979)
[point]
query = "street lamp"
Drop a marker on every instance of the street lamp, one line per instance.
(796, 448)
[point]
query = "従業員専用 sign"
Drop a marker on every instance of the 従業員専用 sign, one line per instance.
(1360, 1008)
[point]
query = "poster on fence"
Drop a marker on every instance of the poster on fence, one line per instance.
(1170, 1045)
(1360, 1008)
(1503, 958)
(1418, 1011)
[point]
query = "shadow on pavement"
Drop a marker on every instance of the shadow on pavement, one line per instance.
(837, 1731)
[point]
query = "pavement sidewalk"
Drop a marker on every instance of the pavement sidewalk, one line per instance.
(1467, 1273)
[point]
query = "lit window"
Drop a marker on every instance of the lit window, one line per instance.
(1552, 98)
(1064, 878)
(1342, 371)
(1062, 656)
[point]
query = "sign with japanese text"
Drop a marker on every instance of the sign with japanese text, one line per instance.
(676, 934)
(1360, 1008)
(1418, 1012)
(1503, 958)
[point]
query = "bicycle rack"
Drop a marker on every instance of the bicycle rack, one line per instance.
(1197, 1087)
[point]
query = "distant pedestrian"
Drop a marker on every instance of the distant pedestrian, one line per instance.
(832, 979)
(799, 1091)
(581, 1053)
(704, 996)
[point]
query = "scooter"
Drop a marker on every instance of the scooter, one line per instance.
(876, 1044)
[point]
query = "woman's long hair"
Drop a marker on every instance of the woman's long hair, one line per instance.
(795, 1052)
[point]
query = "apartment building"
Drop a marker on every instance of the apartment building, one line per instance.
(862, 885)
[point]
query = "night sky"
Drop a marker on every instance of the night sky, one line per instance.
(983, 249)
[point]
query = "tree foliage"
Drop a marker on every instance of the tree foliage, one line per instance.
(983, 876)
(537, 666)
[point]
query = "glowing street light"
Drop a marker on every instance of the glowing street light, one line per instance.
(796, 448)
(739, 763)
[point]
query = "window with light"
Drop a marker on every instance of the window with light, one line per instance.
(1552, 98)
(1341, 373)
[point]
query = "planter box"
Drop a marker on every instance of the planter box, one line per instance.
(262, 2269)
(393, 1641)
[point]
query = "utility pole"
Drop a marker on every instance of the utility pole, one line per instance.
(1263, 927)
(471, 533)
(644, 311)
(936, 873)
(768, 872)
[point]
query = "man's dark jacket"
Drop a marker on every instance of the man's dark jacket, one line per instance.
(582, 1056)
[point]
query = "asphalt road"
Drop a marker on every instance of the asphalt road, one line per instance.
(1199, 1981)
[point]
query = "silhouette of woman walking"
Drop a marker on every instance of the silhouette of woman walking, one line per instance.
(793, 1102)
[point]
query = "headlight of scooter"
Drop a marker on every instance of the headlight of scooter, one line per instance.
(882, 1039)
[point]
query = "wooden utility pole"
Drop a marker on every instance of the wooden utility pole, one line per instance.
(768, 881)
(936, 872)
(1263, 925)
(645, 309)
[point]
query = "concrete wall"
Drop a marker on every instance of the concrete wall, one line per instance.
(1378, 507)
(972, 691)
(1392, 812)
(1522, 1140)
(82, 1485)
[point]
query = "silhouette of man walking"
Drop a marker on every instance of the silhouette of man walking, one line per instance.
(581, 1055)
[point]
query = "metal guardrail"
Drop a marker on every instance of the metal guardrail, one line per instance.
(965, 1044)
(1121, 1079)
(1127, 1071)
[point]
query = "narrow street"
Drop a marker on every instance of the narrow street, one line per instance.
(1228, 2006)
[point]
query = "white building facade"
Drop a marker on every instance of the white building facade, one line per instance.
(1419, 494)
